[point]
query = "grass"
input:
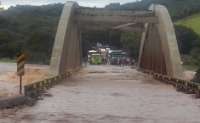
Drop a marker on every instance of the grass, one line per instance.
(190, 67)
(7, 60)
(192, 22)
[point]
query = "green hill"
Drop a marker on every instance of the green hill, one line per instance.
(188, 35)
(178, 8)
(192, 22)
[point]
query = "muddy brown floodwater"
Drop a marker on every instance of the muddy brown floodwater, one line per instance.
(9, 81)
(109, 94)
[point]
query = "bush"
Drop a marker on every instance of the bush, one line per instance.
(197, 76)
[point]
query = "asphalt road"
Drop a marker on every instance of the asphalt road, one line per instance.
(109, 94)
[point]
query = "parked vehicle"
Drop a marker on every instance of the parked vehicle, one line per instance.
(96, 59)
(90, 53)
(117, 57)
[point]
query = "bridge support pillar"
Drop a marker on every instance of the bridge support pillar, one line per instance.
(66, 49)
(159, 49)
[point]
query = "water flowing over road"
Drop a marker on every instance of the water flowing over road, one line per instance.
(109, 94)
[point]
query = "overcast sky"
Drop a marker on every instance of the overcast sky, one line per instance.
(90, 3)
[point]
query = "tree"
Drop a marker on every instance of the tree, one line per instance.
(131, 42)
(29, 29)
(187, 39)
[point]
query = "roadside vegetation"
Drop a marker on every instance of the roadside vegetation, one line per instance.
(30, 29)
(7, 60)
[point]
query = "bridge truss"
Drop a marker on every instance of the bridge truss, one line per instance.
(158, 50)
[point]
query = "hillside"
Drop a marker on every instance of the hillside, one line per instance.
(178, 8)
(192, 22)
(188, 34)
(29, 29)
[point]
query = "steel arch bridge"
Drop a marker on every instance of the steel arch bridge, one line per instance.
(158, 50)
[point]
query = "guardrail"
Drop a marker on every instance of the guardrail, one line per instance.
(35, 89)
(185, 86)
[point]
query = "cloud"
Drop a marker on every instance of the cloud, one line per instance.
(90, 3)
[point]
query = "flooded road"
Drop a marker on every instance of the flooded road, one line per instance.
(109, 94)
(9, 81)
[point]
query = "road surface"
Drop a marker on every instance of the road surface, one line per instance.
(109, 94)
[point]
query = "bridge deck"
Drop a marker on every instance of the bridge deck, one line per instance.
(110, 94)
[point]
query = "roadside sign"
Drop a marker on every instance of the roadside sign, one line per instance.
(21, 64)
(21, 61)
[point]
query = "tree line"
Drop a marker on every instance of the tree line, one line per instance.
(29, 29)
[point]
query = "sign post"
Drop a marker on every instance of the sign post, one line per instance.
(20, 69)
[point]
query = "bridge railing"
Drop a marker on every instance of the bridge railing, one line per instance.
(36, 88)
(181, 85)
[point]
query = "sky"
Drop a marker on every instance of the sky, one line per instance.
(89, 3)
